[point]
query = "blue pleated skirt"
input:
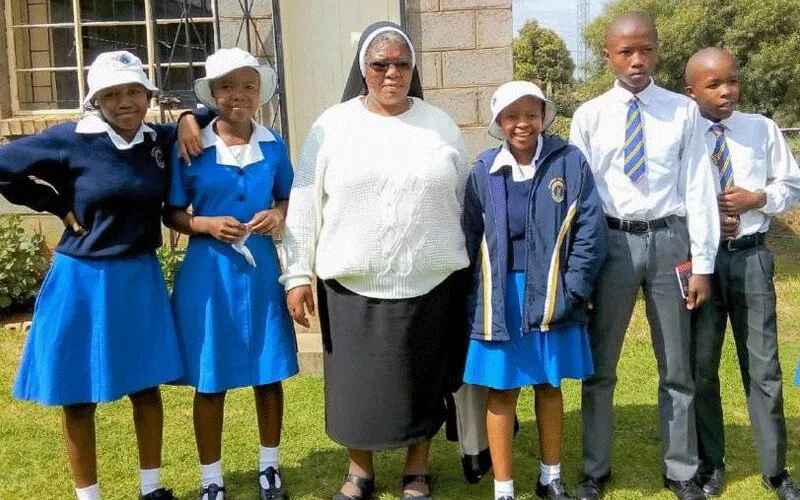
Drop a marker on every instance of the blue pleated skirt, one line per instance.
(530, 359)
(101, 329)
(234, 328)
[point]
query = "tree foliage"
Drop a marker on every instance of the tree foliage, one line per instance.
(764, 35)
(540, 56)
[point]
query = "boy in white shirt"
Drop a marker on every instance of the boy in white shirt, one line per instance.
(758, 178)
(650, 165)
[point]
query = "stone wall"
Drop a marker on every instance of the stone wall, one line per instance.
(464, 54)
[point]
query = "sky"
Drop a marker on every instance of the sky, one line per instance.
(560, 16)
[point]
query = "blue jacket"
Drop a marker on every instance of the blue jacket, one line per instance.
(565, 235)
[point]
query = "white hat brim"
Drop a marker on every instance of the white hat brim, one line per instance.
(269, 82)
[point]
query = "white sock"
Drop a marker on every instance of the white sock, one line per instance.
(268, 457)
(549, 473)
(212, 474)
(503, 489)
(89, 493)
(149, 480)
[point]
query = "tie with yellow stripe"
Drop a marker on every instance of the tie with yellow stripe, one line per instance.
(634, 142)
(721, 157)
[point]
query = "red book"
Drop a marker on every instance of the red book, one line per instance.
(684, 271)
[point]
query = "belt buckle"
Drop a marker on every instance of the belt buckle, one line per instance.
(729, 245)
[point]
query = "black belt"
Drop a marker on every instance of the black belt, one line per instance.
(743, 242)
(636, 226)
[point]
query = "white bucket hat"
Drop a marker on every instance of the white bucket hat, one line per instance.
(110, 69)
(509, 92)
(224, 61)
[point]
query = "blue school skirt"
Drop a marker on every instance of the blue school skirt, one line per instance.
(530, 359)
(233, 325)
(101, 329)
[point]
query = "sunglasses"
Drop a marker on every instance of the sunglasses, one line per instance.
(383, 66)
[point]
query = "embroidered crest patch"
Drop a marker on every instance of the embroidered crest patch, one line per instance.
(158, 156)
(557, 189)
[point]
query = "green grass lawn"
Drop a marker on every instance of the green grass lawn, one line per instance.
(33, 463)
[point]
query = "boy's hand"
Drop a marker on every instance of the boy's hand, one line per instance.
(190, 143)
(729, 225)
(71, 223)
(267, 222)
(737, 200)
(299, 299)
(699, 290)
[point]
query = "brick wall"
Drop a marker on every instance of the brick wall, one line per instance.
(464, 54)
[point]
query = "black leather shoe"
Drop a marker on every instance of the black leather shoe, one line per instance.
(159, 494)
(555, 490)
(367, 487)
(711, 481)
(591, 488)
(272, 491)
(476, 466)
(684, 490)
(506, 498)
(783, 485)
(212, 490)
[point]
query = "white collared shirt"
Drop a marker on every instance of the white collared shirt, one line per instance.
(677, 174)
(761, 160)
(92, 123)
(519, 172)
(237, 156)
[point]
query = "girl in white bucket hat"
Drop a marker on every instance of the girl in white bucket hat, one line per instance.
(534, 219)
(102, 326)
(233, 325)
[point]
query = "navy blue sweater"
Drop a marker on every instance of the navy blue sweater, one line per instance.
(116, 195)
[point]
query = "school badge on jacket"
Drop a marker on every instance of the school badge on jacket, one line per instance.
(158, 156)
(557, 189)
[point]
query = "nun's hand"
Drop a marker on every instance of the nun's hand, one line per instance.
(190, 142)
(300, 299)
(71, 223)
(267, 222)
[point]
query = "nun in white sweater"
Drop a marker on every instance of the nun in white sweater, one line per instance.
(375, 214)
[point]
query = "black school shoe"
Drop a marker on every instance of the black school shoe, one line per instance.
(554, 490)
(212, 490)
(476, 466)
(272, 492)
(711, 480)
(684, 490)
(783, 485)
(592, 488)
(159, 494)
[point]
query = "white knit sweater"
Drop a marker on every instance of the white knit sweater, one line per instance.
(376, 202)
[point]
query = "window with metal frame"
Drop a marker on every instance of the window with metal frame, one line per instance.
(51, 44)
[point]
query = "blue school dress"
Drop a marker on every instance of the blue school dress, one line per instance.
(528, 357)
(102, 327)
(233, 325)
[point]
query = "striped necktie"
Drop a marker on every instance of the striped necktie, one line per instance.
(634, 142)
(721, 157)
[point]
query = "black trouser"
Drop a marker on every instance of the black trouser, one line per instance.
(742, 290)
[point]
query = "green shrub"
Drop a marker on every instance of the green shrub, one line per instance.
(22, 263)
(170, 259)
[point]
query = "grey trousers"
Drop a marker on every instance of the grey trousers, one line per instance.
(471, 419)
(646, 261)
(743, 291)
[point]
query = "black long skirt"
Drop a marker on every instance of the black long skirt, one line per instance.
(389, 363)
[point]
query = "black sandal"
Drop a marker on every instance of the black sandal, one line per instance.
(367, 487)
(417, 478)
(272, 491)
(212, 490)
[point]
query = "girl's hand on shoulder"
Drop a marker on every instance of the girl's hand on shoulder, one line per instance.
(300, 299)
(190, 142)
(71, 223)
(225, 228)
(267, 222)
